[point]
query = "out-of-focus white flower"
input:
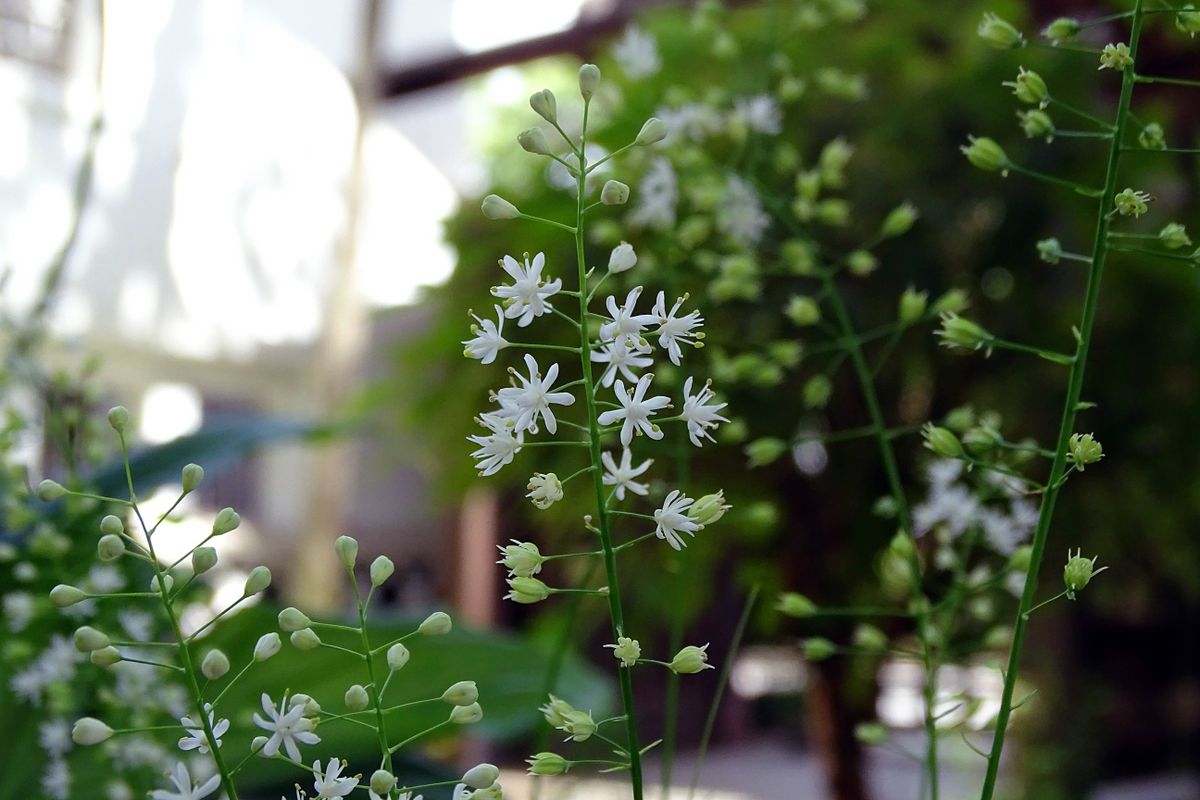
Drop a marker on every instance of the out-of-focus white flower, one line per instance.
(672, 519)
(637, 53)
(624, 326)
(184, 788)
(18, 610)
(696, 121)
(700, 413)
(620, 358)
(622, 475)
(54, 736)
(656, 197)
(636, 410)
(196, 740)
(287, 726)
(499, 446)
(528, 295)
(741, 216)
(533, 398)
(56, 780)
(329, 784)
(672, 329)
(759, 113)
(488, 340)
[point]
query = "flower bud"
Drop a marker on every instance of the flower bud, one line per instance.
(622, 258)
(191, 476)
(64, 595)
(861, 263)
(110, 547)
(556, 711)
(382, 782)
(690, 660)
(589, 79)
(397, 657)
(870, 733)
(481, 776)
(1078, 572)
(1083, 449)
(1188, 20)
(818, 649)
(435, 624)
(803, 311)
(533, 140)
(901, 546)
(226, 520)
(982, 439)
(1036, 124)
(953, 301)
(305, 639)
(357, 698)
(999, 33)
(899, 220)
(466, 715)
(795, 605)
(346, 548)
(816, 391)
(522, 559)
(912, 306)
(985, 154)
(162, 584)
(1174, 236)
(579, 724)
(50, 490)
(214, 665)
(496, 207)
(88, 731)
(544, 490)
(311, 707)
(1029, 87)
(548, 764)
(267, 645)
(1152, 137)
(258, 580)
(88, 639)
(257, 744)
(462, 693)
(203, 559)
(293, 619)
(112, 525)
(105, 656)
(1049, 250)
(868, 637)
(709, 508)
(614, 193)
(998, 638)
(653, 130)
(527, 590)
(941, 441)
(544, 104)
(381, 569)
(118, 418)
(960, 333)
(1116, 57)
(1062, 30)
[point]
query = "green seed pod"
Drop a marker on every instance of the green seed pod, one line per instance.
(941, 441)
(999, 33)
(985, 154)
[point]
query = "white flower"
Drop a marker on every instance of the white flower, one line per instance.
(672, 519)
(526, 297)
(622, 258)
(699, 413)
(622, 358)
(760, 113)
(184, 788)
(636, 410)
(742, 217)
(657, 195)
(286, 726)
(196, 740)
(544, 490)
(54, 736)
(637, 53)
(18, 610)
(532, 399)
(672, 329)
(488, 341)
(329, 784)
(696, 121)
(56, 780)
(622, 475)
(625, 327)
(498, 447)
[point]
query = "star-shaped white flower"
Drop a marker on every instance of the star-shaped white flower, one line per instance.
(625, 326)
(499, 446)
(699, 413)
(196, 740)
(672, 519)
(533, 398)
(527, 297)
(622, 475)
(184, 788)
(636, 410)
(620, 358)
(488, 341)
(674, 330)
(329, 784)
(286, 726)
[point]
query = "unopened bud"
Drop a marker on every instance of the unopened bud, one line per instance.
(65, 595)
(118, 418)
(346, 548)
(985, 154)
(462, 693)
(382, 782)
(466, 715)
(622, 258)
(709, 508)
(305, 639)
(941, 441)
(88, 731)
(1174, 236)
(533, 140)
(357, 698)
(226, 520)
(293, 619)
(614, 193)
(548, 764)
(545, 105)
(436, 624)
(397, 657)
(88, 639)
(795, 605)
(481, 776)
(381, 569)
(899, 220)
(818, 649)
(50, 490)
(258, 580)
(110, 547)
(496, 207)
(214, 665)
(803, 311)
(912, 306)
(1062, 30)
(589, 79)
(654, 130)
(105, 656)
(267, 645)
(690, 660)
(999, 33)
(871, 733)
(191, 476)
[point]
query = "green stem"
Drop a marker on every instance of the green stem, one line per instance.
(1070, 407)
(385, 761)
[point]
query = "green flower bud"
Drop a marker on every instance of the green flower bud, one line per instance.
(214, 665)
(118, 418)
(191, 476)
(1020, 559)
(346, 548)
(1152, 137)
(1188, 20)
(981, 439)
(481, 776)
(466, 715)
(436, 624)
(954, 301)
(709, 508)
(763, 451)
(1129, 203)
(834, 212)
(861, 263)
(356, 698)
(556, 711)
(293, 619)
(544, 490)
(397, 657)
(1078, 572)
(258, 580)
(64, 595)
(381, 569)
(1063, 29)
(1116, 57)
(901, 546)
(226, 520)
(899, 220)
(962, 334)
(462, 693)
(998, 638)
(834, 157)
(690, 660)
(1036, 124)
(382, 782)
(869, 637)
(614, 193)
(941, 441)
(88, 731)
(203, 559)
(654, 130)
(799, 257)
(985, 154)
(816, 391)
(912, 306)
(533, 140)
(579, 724)
(1029, 87)
(105, 656)
(870, 733)
(818, 648)
(544, 104)
(50, 490)
(527, 590)
(999, 33)
(803, 311)
(1049, 250)
(267, 646)
(522, 559)
(795, 605)
(589, 79)
(305, 639)
(548, 764)
(110, 547)
(1083, 449)
(496, 207)
(88, 639)
(1174, 236)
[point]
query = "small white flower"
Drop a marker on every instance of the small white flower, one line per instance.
(488, 341)
(527, 297)
(54, 736)
(672, 519)
(286, 726)
(497, 448)
(742, 217)
(699, 413)
(533, 398)
(637, 53)
(544, 490)
(760, 113)
(330, 784)
(636, 410)
(196, 740)
(622, 475)
(627, 650)
(672, 329)
(18, 610)
(184, 788)
(696, 121)
(56, 780)
(621, 358)
(625, 327)
(622, 258)
(656, 197)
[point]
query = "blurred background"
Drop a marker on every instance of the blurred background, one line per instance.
(256, 225)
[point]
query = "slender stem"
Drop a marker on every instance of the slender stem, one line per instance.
(385, 761)
(549, 222)
(1058, 596)
(1170, 81)
(1086, 191)
(1131, 149)
(1070, 409)
(1079, 112)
